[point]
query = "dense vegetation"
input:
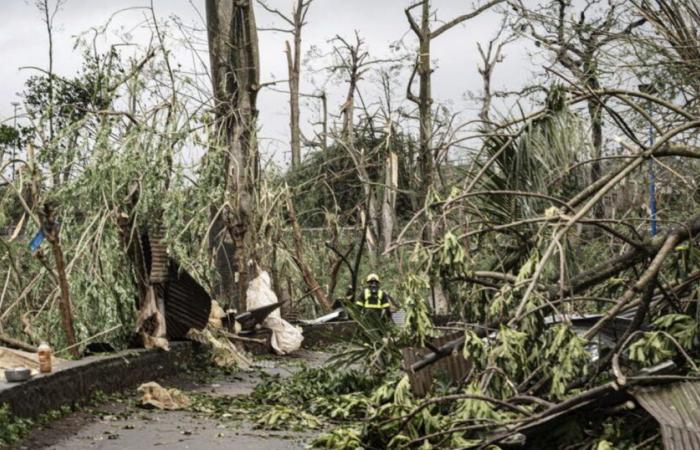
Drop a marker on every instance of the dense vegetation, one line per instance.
(547, 218)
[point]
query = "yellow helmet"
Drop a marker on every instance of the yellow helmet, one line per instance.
(372, 277)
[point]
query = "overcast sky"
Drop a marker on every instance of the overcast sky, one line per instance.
(23, 43)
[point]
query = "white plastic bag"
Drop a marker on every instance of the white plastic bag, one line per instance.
(286, 338)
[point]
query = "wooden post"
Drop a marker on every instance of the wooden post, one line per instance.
(52, 230)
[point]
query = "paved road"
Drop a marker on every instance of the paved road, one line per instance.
(117, 425)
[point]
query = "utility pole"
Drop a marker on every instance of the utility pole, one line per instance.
(649, 89)
(15, 144)
(652, 183)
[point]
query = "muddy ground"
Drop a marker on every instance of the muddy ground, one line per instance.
(119, 424)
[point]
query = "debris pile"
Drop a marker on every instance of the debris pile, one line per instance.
(153, 395)
(286, 337)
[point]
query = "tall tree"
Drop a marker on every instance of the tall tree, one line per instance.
(579, 46)
(295, 21)
(352, 61)
(235, 67)
(422, 67)
(424, 101)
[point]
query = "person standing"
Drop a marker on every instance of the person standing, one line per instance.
(374, 300)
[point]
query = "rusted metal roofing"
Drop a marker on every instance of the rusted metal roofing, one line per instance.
(677, 409)
(158, 270)
(454, 366)
(187, 304)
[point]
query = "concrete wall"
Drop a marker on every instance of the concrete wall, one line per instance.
(78, 380)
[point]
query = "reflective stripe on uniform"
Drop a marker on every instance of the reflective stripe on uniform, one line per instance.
(373, 305)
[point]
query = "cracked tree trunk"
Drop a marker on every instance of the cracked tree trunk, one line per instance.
(234, 57)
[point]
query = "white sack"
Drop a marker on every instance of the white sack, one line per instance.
(286, 337)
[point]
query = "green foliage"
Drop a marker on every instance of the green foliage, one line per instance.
(471, 408)
(12, 428)
(511, 352)
(452, 258)
(656, 346)
(474, 347)
(626, 432)
(99, 169)
(280, 417)
(71, 99)
(375, 343)
(567, 356)
(340, 438)
(328, 182)
(535, 158)
(418, 326)
(8, 135)
(310, 384)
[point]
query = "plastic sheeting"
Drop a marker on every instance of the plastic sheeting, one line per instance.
(286, 338)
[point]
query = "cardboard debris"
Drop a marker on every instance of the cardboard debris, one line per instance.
(154, 395)
(216, 314)
(150, 323)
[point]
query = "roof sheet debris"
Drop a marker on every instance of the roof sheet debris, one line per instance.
(187, 303)
(677, 409)
(249, 319)
(334, 315)
(157, 260)
(609, 334)
(454, 365)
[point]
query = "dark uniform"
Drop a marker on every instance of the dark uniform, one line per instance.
(375, 301)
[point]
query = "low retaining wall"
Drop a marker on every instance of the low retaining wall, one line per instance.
(78, 380)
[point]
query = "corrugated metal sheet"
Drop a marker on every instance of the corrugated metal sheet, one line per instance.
(455, 367)
(677, 409)
(158, 265)
(187, 304)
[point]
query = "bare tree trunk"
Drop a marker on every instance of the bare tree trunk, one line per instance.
(309, 278)
(296, 22)
(391, 182)
(233, 51)
(595, 110)
(425, 101)
(372, 235)
(349, 110)
(293, 71)
(324, 106)
(52, 229)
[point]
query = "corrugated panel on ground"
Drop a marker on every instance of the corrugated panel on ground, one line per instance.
(187, 304)
(677, 408)
(455, 366)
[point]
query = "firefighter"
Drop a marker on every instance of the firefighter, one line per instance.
(373, 300)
